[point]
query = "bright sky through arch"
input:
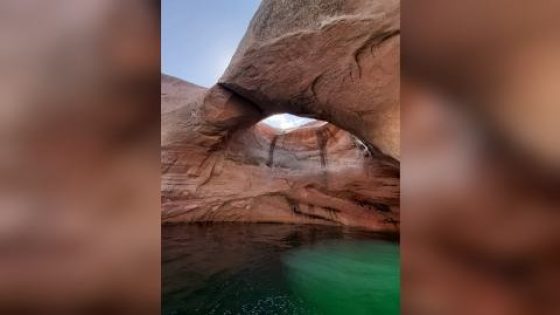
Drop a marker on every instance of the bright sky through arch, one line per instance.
(286, 121)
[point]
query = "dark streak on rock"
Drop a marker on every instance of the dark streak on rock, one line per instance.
(270, 161)
(322, 140)
(372, 205)
(294, 206)
(377, 154)
(381, 207)
(313, 86)
(356, 63)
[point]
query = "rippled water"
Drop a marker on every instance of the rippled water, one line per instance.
(278, 269)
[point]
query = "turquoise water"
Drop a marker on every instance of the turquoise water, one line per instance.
(347, 277)
(278, 269)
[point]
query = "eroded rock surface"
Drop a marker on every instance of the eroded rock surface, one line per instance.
(224, 167)
(336, 61)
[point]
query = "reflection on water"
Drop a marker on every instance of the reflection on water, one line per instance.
(277, 269)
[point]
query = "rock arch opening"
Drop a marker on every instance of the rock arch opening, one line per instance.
(287, 122)
(306, 143)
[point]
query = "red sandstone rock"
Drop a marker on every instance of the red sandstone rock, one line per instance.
(334, 60)
(221, 166)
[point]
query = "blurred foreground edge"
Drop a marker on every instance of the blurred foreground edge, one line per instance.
(481, 157)
(79, 157)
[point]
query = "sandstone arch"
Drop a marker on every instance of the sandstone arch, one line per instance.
(338, 62)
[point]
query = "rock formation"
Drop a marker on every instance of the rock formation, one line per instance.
(332, 60)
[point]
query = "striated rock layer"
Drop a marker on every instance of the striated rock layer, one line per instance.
(333, 60)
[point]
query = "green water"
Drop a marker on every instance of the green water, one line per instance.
(359, 277)
(278, 269)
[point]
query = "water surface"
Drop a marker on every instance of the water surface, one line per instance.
(278, 269)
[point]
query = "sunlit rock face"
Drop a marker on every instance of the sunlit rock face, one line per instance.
(336, 61)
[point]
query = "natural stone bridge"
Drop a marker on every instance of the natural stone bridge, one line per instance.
(336, 61)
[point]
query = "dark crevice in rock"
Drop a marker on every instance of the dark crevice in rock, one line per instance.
(313, 86)
(373, 43)
(372, 205)
(386, 36)
(377, 154)
(362, 147)
(231, 88)
(381, 207)
(295, 207)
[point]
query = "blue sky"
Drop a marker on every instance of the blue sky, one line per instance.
(198, 37)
